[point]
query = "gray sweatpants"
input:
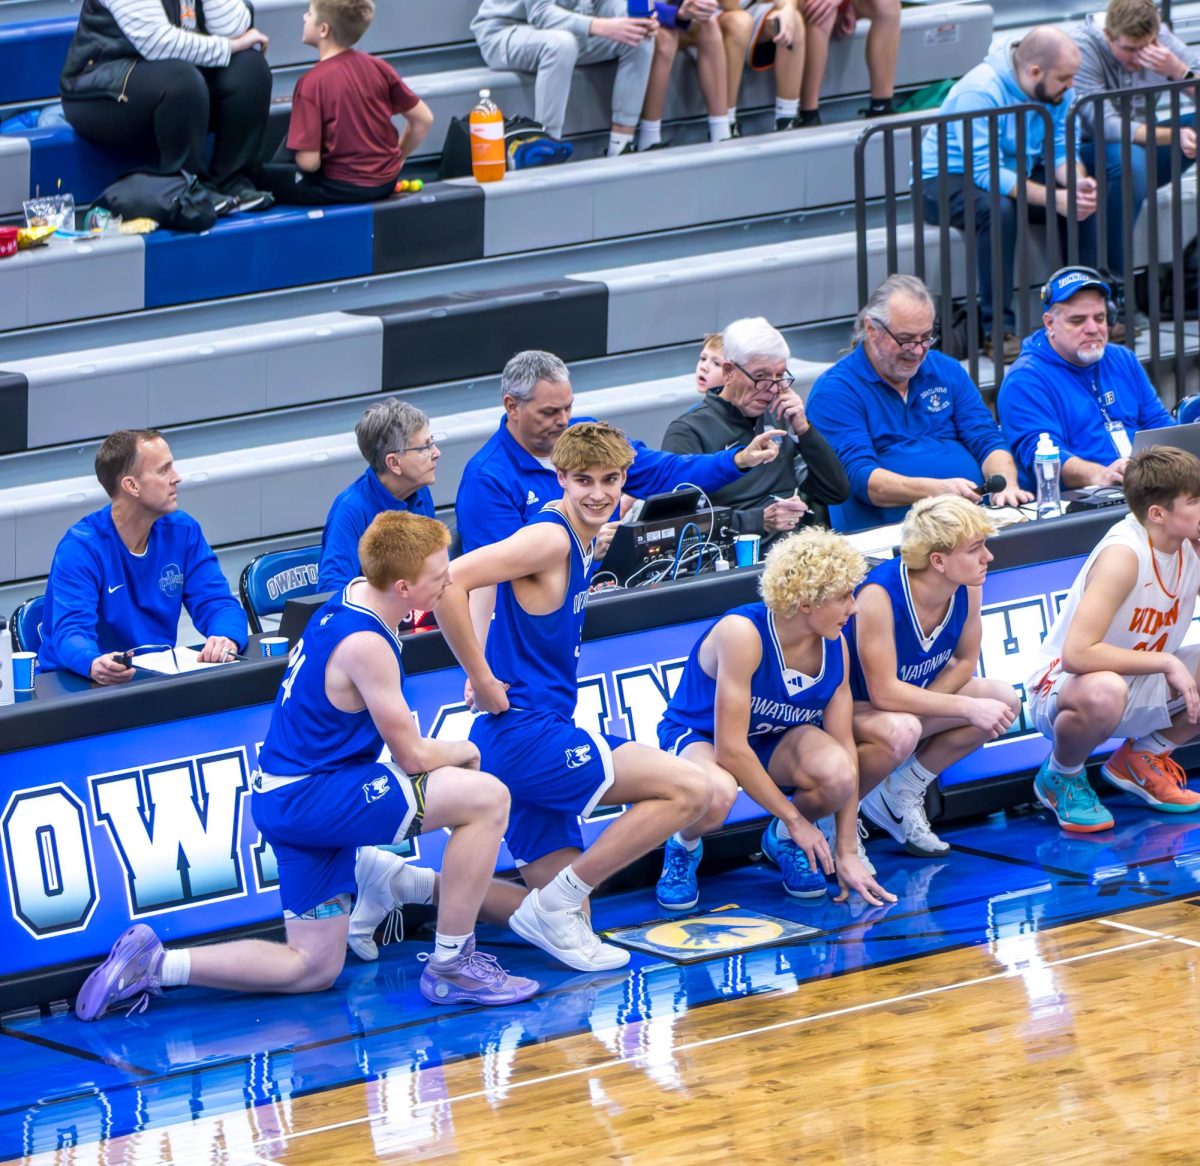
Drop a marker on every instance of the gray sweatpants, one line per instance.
(552, 55)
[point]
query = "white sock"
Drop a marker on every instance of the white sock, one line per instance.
(448, 948)
(718, 129)
(689, 844)
(412, 884)
(786, 108)
(912, 771)
(732, 111)
(649, 133)
(1153, 743)
(1065, 770)
(175, 968)
(617, 141)
(566, 893)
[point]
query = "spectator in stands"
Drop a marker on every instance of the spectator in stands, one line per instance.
(765, 34)
(710, 368)
(896, 413)
(1132, 50)
(121, 576)
(774, 498)
(152, 78)
(346, 148)
(693, 24)
(1038, 68)
(510, 479)
(550, 37)
(1090, 396)
(394, 438)
(838, 18)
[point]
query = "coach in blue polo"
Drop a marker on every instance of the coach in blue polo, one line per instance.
(511, 477)
(121, 576)
(906, 422)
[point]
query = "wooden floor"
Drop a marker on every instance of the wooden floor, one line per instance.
(1073, 1045)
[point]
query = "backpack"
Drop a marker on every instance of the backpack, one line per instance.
(175, 201)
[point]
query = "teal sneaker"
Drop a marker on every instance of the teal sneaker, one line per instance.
(799, 879)
(1071, 800)
(678, 887)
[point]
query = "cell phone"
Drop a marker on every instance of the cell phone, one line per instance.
(123, 658)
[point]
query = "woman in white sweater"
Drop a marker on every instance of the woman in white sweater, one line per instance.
(152, 78)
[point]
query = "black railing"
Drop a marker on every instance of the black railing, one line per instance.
(1163, 258)
(966, 125)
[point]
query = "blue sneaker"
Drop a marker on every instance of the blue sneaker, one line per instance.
(678, 888)
(799, 879)
(1071, 800)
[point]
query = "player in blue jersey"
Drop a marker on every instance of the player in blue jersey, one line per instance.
(321, 794)
(764, 703)
(556, 771)
(914, 649)
(121, 576)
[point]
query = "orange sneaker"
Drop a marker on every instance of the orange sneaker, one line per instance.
(1153, 777)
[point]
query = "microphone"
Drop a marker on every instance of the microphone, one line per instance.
(994, 485)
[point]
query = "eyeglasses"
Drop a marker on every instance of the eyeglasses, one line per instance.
(910, 343)
(426, 449)
(783, 383)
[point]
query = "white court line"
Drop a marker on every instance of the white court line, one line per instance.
(1144, 931)
(795, 1022)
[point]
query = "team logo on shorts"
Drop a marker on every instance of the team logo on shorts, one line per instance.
(578, 756)
(377, 787)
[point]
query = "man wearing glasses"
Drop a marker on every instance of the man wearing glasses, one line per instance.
(394, 438)
(906, 421)
(775, 498)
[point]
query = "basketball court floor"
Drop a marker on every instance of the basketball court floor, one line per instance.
(1033, 997)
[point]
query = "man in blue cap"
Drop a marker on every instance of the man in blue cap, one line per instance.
(1090, 396)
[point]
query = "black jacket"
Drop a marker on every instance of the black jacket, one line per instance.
(100, 57)
(715, 425)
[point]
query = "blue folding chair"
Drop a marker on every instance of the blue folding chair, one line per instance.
(273, 578)
(27, 624)
(1188, 410)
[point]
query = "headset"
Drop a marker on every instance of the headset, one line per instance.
(1091, 273)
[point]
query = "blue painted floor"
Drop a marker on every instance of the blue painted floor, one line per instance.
(199, 1053)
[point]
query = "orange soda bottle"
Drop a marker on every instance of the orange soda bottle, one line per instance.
(488, 163)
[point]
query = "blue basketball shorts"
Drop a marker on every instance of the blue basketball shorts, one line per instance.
(316, 824)
(675, 738)
(555, 772)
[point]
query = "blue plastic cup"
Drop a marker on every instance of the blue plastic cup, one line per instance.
(24, 671)
(745, 549)
(643, 9)
(273, 645)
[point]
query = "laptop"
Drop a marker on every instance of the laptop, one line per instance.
(1180, 436)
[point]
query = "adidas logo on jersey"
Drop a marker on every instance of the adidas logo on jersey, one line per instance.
(531, 499)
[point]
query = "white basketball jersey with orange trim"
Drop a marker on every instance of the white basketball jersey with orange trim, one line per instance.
(1155, 615)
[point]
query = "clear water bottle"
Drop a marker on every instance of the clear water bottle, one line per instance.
(1047, 467)
(6, 664)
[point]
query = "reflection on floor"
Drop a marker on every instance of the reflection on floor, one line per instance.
(197, 1055)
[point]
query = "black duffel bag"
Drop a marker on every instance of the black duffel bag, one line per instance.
(175, 201)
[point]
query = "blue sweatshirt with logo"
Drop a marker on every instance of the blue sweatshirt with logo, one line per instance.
(1043, 393)
(101, 597)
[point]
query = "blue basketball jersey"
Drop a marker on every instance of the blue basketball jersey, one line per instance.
(780, 697)
(307, 734)
(919, 658)
(538, 655)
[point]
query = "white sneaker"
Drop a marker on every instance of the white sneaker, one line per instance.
(828, 827)
(919, 838)
(887, 807)
(374, 901)
(566, 935)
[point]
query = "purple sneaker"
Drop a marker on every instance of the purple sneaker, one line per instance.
(473, 978)
(130, 970)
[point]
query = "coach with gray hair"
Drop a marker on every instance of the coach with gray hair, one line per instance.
(395, 439)
(906, 421)
(806, 477)
(511, 478)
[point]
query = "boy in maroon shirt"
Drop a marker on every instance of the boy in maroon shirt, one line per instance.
(346, 147)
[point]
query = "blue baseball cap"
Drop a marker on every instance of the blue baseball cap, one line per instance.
(1071, 282)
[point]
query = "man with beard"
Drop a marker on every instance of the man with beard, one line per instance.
(906, 422)
(1090, 396)
(1038, 68)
